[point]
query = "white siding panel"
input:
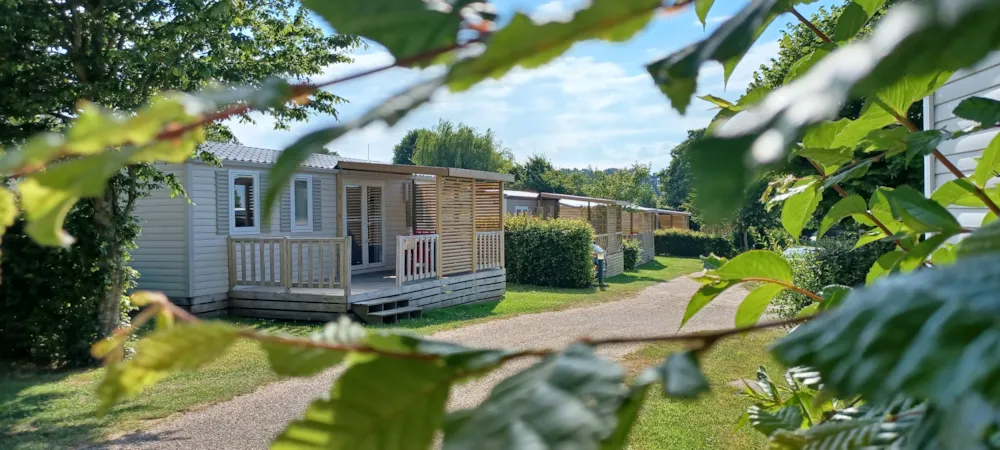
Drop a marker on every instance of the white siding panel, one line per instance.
(161, 256)
(211, 259)
(982, 80)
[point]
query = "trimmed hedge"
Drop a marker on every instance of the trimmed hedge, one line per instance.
(675, 242)
(549, 252)
(632, 249)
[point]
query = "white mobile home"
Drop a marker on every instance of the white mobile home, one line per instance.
(383, 241)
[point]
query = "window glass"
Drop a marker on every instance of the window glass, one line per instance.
(243, 202)
(301, 203)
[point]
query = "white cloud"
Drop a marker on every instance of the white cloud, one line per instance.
(712, 20)
(557, 11)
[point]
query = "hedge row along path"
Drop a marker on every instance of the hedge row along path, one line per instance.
(250, 421)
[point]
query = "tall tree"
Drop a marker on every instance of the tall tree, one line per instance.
(402, 153)
(119, 54)
(675, 179)
(461, 146)
(631, 184)
(538, 174)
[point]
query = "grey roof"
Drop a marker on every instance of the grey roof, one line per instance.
(243, 153)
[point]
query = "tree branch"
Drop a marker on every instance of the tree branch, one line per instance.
(814, 297)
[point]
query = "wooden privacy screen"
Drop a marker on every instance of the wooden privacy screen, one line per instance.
(599, 218)
(457, 230)
(424, 207)
(487, 205)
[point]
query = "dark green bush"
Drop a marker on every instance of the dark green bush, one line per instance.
(831, 260)
(550, 252)
(632, 249)
(675, 242)
(50, 296)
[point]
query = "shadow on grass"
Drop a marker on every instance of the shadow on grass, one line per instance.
(25, 404)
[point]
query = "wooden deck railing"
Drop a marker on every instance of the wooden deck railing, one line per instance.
(610, 242)
(416, 257)
(488, 246)
(290, 262)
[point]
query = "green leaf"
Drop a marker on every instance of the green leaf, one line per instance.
(916, 255)
(899, 96)
(682, 378)
(390, 111)
(701, 7)
(703, 296)
(755, 303)
(989, 163)
(959, 191)
(406, 28)
(182, 347)
(799, 208)
(381, 404)
(947, 254)
(923, 143)
(979, 109)
(712, 262)
(929, 334)
(854, 17)
(988, 219)
(919, 213)
(47, 197)
(720, 176)
(869, 237)
(985, 240)
(871, 118)
(629, 410)
(568, 400)
(756, 264)
(833, 296)
(802, 65)
(527, 44)
(721, 103)
(677, 74)
(8, 209)
(294, 361)
(850, 206)
(854, 172)
(829, 160)
(787, 418)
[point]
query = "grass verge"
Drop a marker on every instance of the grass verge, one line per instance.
(44, 409)
(707, 422)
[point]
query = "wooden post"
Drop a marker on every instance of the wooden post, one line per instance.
(474, 249)
(503, 233)
(345, 268)
(286, 264)
(400, 260)
(232, 262)
(437, 224)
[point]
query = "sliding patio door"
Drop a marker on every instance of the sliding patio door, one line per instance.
(363, 217)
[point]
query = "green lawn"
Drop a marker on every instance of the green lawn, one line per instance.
(54, 410)
(707, 422)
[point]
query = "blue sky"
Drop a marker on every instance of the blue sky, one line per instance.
(593, 106)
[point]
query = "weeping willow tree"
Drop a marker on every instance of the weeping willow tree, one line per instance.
(461, 146)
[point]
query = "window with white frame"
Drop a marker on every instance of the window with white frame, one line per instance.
(244, 211)
(302, 203)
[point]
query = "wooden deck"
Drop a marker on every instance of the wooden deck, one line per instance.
(371, 292)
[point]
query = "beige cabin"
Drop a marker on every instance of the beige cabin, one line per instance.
(378, 240)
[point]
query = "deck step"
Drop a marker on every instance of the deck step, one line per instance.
(392, 315)
(381, 304)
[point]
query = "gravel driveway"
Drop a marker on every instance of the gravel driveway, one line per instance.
(251, 421)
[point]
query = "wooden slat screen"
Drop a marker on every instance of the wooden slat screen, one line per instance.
(456, 225)
(374, 224)
(487, 205)
(424, 207)
(599, 218)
